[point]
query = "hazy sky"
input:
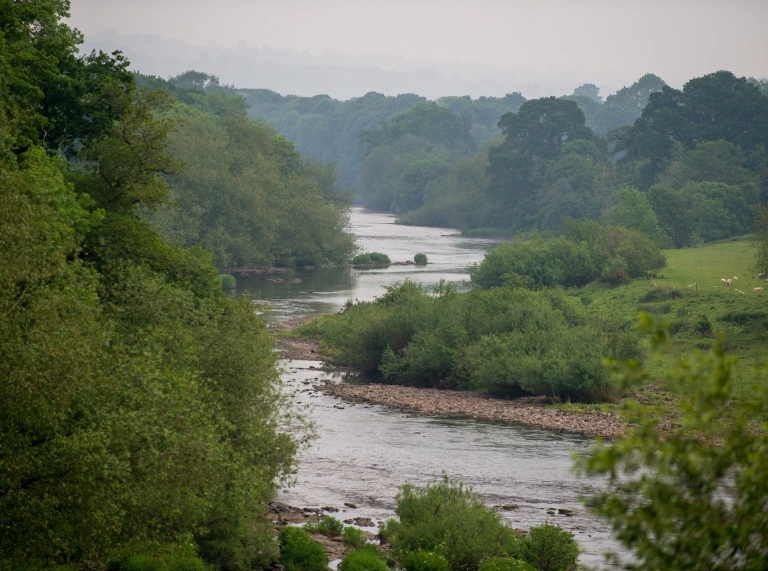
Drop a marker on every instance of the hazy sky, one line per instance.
(676, 39)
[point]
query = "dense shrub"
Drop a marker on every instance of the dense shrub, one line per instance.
(743, 317)
(548, 548)
(300, 552)
(506, 564)
(227, 281)
(448, 518)
(660, 294)
(365, 558)
(501, 341)
(371, 258)
(330, 527)
(420, 259)
(353, 537)
(583, 253)
(424, 561)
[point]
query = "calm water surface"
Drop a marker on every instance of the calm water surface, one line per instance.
(364, 453)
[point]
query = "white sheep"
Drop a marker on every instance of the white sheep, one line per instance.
(723, 280)
(760, 276)
(734, 278)
(757, 289)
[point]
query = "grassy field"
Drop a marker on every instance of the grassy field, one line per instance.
(697, 314)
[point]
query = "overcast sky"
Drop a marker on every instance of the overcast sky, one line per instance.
(676, 39)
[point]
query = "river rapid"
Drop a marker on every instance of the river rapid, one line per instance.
(363, 453)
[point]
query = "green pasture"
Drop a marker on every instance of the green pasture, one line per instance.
(696, 297)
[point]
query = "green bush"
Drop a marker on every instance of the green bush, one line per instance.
(353, 537)
(424, 561)
(420, 259)
(500, 341)
(506, 564)
(661, 294)
(548, 548)
(655, 308)
(365, 558)
(583, 253)
(388, 533)
(238, 546)
(448, 518)
(330, 527)
(300, 552)
(227, 281)
(743, 317)
(371, 258)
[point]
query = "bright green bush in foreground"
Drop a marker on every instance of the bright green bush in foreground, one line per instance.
(330, 527)
(353, 537)
(371, 258)
(424, 561)
(695, 497)
(502, 341)
(448, 518)
(300, 552)
(547, 548)
(365, 558)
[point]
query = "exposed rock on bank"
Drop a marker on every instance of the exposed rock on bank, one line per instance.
(437, 402)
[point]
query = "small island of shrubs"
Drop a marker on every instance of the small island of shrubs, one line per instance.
(370, 259)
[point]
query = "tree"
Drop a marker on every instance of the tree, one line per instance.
(635, 211)
(712, 107)
(760, 229)
(589, 90)
(693, 498)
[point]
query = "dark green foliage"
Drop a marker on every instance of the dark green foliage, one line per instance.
(299, 552)
(159, 563)
(657, 294)
(421, 560)
(583, 253)
(502, 341)
(365, 558)
(760, 232)
(712, 107)
(547, 548)
(447, 518)
(227, 281)
(139, 406)
(247, 195)
(371, 258)
(420, 259)
(353, 537)
(506, 564)
(663, 493)
(743, 317)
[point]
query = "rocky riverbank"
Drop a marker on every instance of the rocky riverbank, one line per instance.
(437, 402)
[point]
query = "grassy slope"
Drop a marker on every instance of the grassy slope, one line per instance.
(705, 266)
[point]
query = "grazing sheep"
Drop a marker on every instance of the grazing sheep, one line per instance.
(734, 278)
(723, 280)
(757, 289)
(760, 276)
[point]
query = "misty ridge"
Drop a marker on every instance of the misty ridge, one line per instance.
(338, 75)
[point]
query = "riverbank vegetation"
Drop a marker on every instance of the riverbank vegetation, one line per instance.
(141, 414)
(246, 194)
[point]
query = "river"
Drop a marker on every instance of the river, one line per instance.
(363, 453)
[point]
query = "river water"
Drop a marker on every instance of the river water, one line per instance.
(364, 453)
